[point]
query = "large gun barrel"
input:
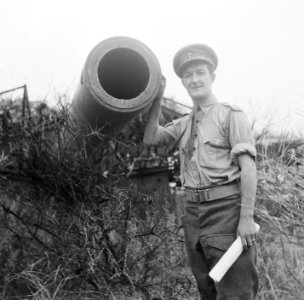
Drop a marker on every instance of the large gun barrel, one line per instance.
(121, 78)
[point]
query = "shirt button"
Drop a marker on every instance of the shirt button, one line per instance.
(197, 121)
(195, 135)
(193, 148)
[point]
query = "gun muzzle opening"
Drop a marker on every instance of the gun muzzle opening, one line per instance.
(120, 79)
(123, 73)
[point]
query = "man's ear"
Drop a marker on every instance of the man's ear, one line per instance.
(213, 76)
(183, 83)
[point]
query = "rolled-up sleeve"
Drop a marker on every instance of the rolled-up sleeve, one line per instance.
(167, 134)
(240, 136)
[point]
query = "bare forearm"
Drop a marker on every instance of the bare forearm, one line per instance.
(246, 227)
(248, 186)
(154, 114)
(152, 122)
(248, 190)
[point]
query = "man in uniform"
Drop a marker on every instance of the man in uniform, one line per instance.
(218, 172)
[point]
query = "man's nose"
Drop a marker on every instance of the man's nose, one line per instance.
(195, 78)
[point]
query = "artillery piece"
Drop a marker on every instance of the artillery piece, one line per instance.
(121, 78)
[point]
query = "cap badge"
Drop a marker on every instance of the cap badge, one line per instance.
(189, 55)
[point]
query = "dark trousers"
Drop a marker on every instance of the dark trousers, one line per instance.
(210, 228)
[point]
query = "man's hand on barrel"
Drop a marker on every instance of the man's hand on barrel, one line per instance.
(161, 90)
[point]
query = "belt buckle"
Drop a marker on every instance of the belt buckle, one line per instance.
(195, 195)
(199, 193)
(206, 195)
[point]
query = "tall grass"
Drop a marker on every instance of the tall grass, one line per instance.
(280, 211)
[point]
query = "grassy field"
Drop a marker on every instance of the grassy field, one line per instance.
(74, 227)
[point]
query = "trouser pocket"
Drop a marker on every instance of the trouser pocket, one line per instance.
(217, 245)
(241, 280)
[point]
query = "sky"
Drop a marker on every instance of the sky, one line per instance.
(259, 43)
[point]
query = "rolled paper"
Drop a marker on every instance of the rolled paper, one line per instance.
(228, 259)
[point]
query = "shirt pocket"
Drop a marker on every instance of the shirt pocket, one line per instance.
(214, 152)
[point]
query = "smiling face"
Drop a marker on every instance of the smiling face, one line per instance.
(198, 80)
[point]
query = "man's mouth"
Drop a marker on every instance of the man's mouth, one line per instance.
(197, 87)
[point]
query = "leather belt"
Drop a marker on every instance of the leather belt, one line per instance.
(200, 195)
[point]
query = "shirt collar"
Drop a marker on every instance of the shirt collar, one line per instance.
(206, 107)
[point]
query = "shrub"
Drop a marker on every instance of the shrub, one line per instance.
(73, 226)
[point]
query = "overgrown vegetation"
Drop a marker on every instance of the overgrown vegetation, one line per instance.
(73, 226)
(280, 211)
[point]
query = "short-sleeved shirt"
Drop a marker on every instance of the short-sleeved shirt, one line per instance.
(223, 133)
